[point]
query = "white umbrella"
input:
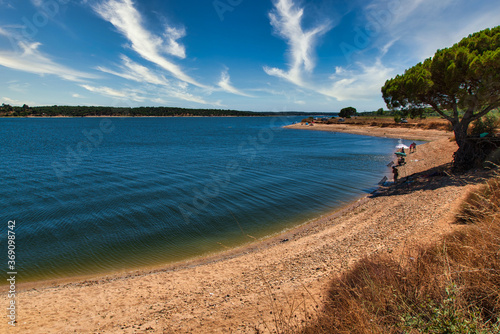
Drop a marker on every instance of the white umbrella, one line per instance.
(401, 145)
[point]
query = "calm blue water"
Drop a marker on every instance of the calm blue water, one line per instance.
(93, 195)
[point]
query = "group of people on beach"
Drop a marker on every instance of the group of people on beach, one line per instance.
(401, 160)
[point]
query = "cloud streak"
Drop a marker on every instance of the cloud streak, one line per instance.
(128, 21)
(225, 84)
(14, 101)
(363, 84)
(33, 61)
(172, 46)
(150, 93)
(110, 92)
(136, 72)
(286, 20)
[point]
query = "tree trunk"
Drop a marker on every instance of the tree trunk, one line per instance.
(463, 158)
(460, 130)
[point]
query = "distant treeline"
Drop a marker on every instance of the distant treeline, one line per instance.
(81, 111)
(412, 113)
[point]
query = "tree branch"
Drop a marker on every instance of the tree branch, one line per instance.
(483, 112)
(455, 108)
(442, 113)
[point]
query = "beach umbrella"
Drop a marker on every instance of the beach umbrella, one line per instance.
(401, 145)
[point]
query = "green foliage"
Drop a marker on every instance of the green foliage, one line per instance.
(397, 118)
(380, 112)
(347, 112)
(415, 113)
(464, 77)
(6, 108)
(446, 317)
(487, 124)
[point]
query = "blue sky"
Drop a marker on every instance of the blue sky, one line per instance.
(261, 55)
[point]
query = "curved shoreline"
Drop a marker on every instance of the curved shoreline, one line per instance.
(409, 134)
(232, 291)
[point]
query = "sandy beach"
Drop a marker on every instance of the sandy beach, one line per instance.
(242, 291)
(377, 131)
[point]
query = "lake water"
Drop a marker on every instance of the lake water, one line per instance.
(94, 195)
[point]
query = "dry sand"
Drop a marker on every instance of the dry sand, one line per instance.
(243, 291)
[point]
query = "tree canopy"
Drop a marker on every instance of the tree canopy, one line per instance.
(347, 112)
(461, 83)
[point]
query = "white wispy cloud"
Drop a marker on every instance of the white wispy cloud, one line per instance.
(125, 94)
(132, 71)
(225, 84)
(191, 98)
(172, 46)
(14, 102)
(271, 91)
(286, 19)
(159, 100)
(128, 21)
(106, 91)
(363, 83)
(151, 93)
(30, 59)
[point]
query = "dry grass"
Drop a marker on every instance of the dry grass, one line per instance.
(435, 125)
(450, 287)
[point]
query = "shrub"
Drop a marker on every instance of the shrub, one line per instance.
(487, 124)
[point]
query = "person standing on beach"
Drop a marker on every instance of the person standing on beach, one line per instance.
(395, 172)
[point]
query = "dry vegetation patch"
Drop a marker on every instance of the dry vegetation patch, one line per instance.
(452, 286)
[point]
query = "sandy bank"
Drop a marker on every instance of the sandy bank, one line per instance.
(242, 293)
(375, 131)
